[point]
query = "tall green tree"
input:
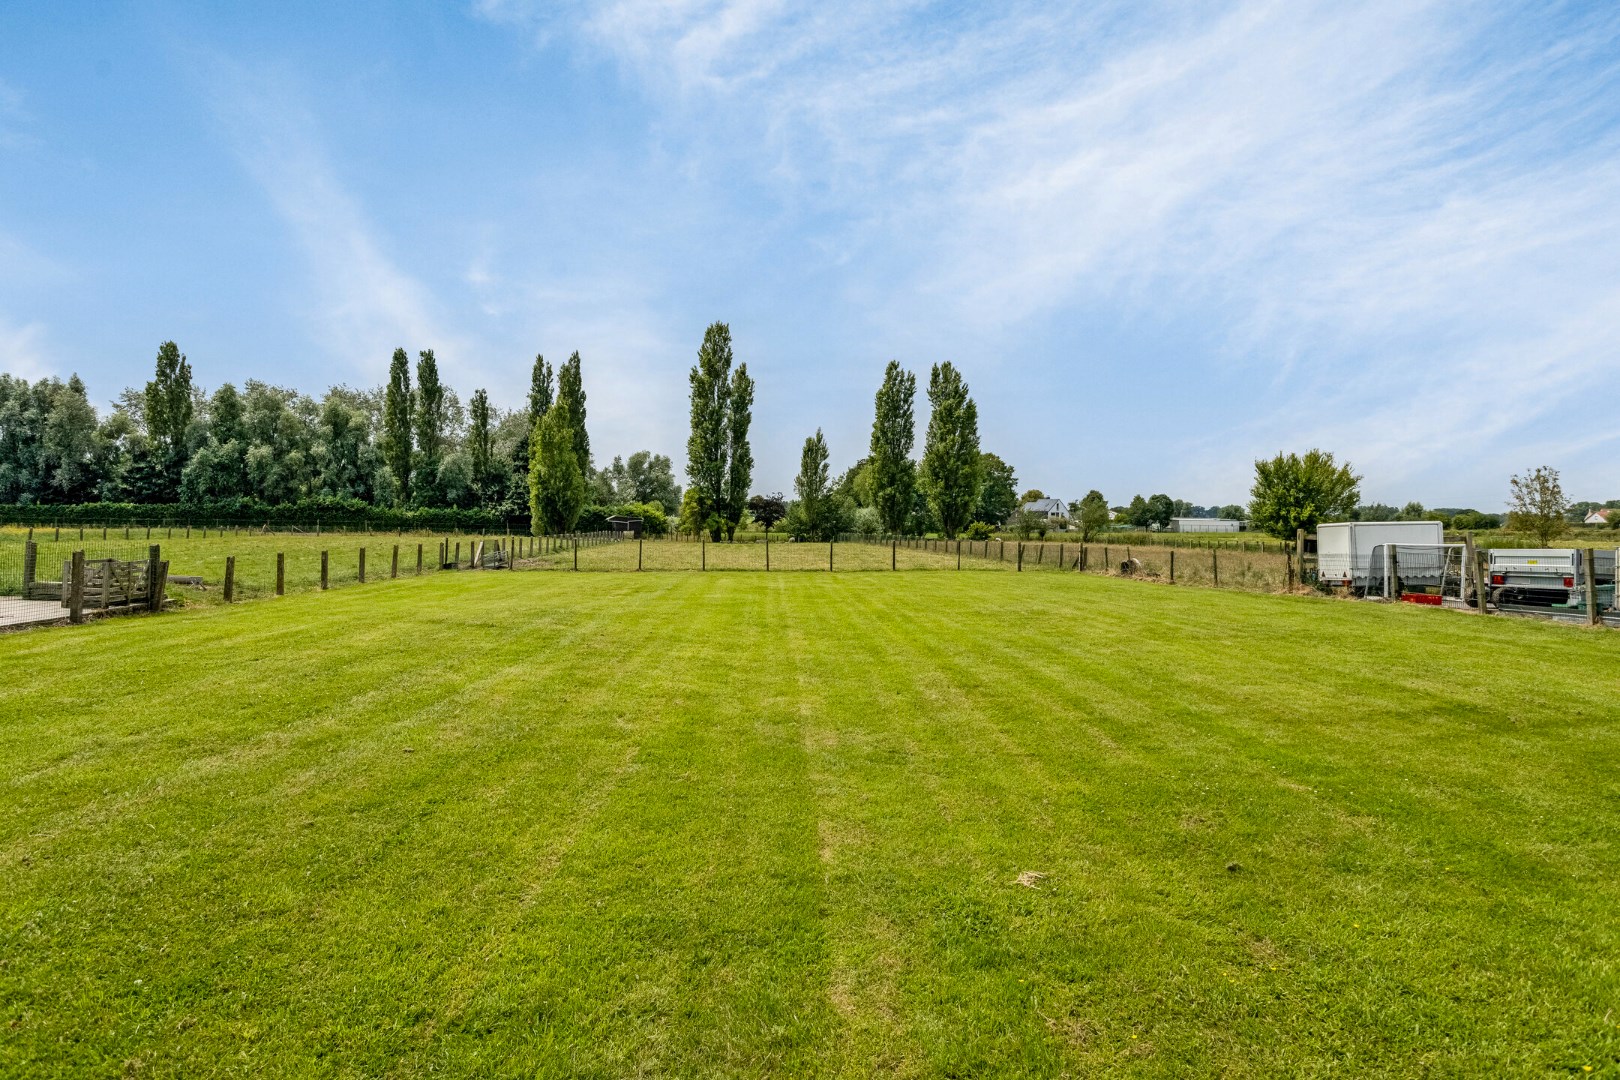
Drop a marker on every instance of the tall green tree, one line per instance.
(480, 445)
(70, 443)
(571, 392)
(951, 463)
(708, 447)
(1090, 514)
(398, 420)
(891, 472)
(739, 456)
(1537, 505)
(1293, 492)
(168, 399)
(998, 491)
(541, 391)
(432, 420)
(809, 513)
(556, 484)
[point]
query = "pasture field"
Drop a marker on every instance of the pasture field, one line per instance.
(513, 824)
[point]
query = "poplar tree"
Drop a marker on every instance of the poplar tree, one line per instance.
(740, 458)
(811, 483)
(890, 471)
(719, 462)
(556, 484)
(479, 441)
(168, 410)
(397, 421)
(951, 463)
(541, 393)
(430, 424)
(571, 392)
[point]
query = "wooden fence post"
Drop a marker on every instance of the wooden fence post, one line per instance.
(1289, 556)
(1393, 585)
(76, 588)
(1020, 563)
(30, 565)
(362, 573)
(1172, 566)
(959, 554)
(1594, 617)
(1482, 574)
(324, 579)
(230, 578)
(703, 552)
(894, 554)
(1469, 571)
(419, 560)
(1215, 564)
(394, 571)
(281, 573)
(1299, 552)
(829, 556)
(638, 554)
(153, 602)
(576, 552)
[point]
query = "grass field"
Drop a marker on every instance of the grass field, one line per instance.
(703, 825)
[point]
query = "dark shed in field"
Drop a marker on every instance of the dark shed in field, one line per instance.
(625, 526)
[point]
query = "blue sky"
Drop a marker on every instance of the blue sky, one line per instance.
(1159, 240)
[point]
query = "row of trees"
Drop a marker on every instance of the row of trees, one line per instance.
(408, 444)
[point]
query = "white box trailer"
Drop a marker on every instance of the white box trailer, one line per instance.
(1345, 551)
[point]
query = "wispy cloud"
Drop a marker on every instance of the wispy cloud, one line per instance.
(1398, 221)
(360, 303)
(22, 350)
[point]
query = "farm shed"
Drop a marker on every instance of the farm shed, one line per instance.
(625, 526)
(1205, 525)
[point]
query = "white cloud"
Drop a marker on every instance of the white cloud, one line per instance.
(22, 350)
(1392, 219)
(360, 303)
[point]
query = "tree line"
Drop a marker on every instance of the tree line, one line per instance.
(409, 445)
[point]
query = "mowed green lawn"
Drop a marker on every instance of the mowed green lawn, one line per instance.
(516, 824)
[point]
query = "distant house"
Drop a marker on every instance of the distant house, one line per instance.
(1600, 517)
(1205, 525)
(1054, 510)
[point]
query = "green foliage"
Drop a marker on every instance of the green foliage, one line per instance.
(1027, 523)
(819, 513)
(399, 417)
(556, 482)
(979, 530)
(998, 491)
(891, 473)
(1537, 505)
(695, 517)
(431, 415)
(1160, 509)
(317, 510)
(480, 444)
(1090, 514)
(168, 402)
(1292, 492)
(1032, 495)
(739, 457)
(1474, 520)
(718, 459)
(571, 393)
(951, 466)
(541, 392)
(767, 510)
(70, 442)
